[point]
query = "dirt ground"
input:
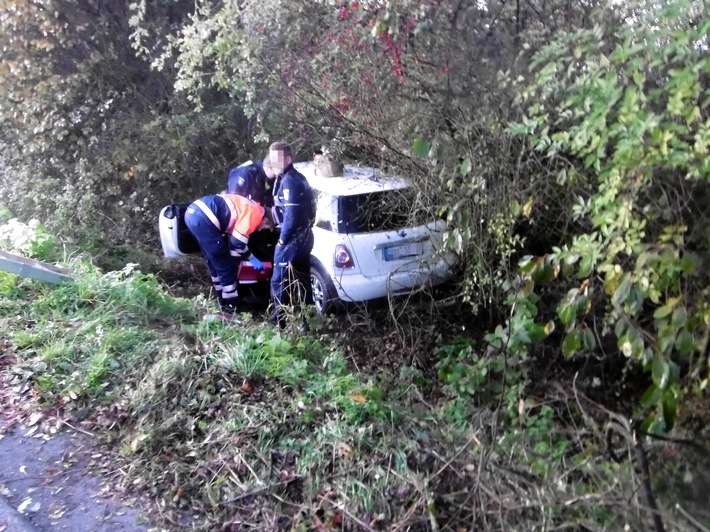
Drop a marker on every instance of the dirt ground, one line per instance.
(48, 479)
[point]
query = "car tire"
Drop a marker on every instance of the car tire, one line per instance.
(325, 297)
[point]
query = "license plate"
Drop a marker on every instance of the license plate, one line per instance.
(400, 252)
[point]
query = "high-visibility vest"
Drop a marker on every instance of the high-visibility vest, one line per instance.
(245, 216)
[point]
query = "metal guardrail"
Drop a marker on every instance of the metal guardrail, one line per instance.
(34, 269)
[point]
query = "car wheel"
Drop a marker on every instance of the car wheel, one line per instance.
(324, 294)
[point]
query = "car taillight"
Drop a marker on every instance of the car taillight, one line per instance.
(343, 259)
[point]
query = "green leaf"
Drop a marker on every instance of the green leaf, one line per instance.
(622, 293)
(537, 332)
(527, 264)
(586, 266)
(589, 342)
(662, 312)
(650, 396)
(666, 338)
(421, 147)
(543, 273)
(567, 313)
(582, 304)
(631, 343)
(684, 342)
(680, 316)
(572, 343)
(669, 408)
(688, 263)
(660, 371)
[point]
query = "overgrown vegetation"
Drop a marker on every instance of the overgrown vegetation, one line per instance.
(566, 143)
(235, 424)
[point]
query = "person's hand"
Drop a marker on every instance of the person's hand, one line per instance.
(256, 263)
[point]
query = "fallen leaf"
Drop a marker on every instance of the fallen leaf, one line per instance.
(56, 511)
(247, 387)
(24, 504)
(344, 449)
(34, 418)
(357, 397)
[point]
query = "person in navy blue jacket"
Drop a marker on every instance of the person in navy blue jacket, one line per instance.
(294, 214)
(222, 225)
(252, 180)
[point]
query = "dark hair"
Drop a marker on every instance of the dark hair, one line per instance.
(283, 147)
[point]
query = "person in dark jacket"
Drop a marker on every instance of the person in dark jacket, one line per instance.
(252, 180)
(222, 224)
(255, 181)
(294, 214)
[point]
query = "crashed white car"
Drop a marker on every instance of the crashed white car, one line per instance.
(366, 244)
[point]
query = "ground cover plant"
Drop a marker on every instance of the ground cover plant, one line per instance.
(230, 426)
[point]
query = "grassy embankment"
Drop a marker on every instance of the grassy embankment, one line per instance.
(225, 424)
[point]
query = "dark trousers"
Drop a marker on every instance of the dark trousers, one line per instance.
(291, 278)
(215, 249)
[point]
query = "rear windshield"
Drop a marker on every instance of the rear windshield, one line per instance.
(377, 211)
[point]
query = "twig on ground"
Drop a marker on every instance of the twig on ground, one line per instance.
(351, 516)
(301, 507)
(259, 491)
(246, 464)
(691, 519)
(421, 501)
(646, 480)
(74, 428)
(472, 439)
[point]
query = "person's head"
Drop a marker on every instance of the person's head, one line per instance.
(278, 159)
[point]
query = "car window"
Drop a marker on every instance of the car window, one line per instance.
(376, 211)
(324, 211)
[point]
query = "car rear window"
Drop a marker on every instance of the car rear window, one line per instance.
(376, 211)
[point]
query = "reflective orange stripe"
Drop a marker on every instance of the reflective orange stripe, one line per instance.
(246, 216)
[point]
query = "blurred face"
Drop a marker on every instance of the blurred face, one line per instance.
(277, 163)
(268, 170)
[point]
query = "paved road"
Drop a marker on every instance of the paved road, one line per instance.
(48, 480)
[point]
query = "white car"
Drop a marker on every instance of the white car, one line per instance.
(365, 244)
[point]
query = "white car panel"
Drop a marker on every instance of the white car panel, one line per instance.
(387, 262)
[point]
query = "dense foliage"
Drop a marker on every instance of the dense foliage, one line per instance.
(94, 140)
(625, 117)
(566, 143)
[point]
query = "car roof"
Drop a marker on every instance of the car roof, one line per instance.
(356, 180)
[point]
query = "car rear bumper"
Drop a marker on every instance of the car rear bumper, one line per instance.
(354, 287)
